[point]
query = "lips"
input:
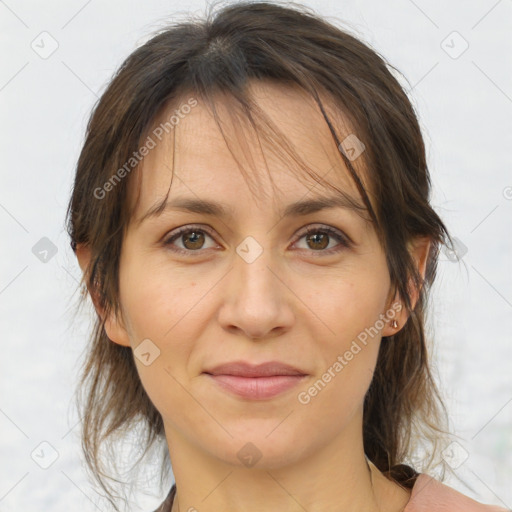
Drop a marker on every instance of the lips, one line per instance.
(255, 382)
(243, 369)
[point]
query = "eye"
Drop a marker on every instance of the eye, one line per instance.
(192, 239)
(318, 239)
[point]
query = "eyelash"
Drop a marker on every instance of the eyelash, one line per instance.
(344, 242)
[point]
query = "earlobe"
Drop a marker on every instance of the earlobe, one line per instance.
(116, 331)
(114, 328)
(395, 317)
(419, 248)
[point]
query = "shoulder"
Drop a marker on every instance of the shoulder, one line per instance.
(429, 495)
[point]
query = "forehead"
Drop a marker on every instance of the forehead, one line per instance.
(194, 151)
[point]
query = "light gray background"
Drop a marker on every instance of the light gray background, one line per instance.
(465, 106)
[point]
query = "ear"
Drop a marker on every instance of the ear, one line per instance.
(419, 249)
(114, 327)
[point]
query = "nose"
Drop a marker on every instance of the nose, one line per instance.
(256, 300)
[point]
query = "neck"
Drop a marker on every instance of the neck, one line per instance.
(335, 476)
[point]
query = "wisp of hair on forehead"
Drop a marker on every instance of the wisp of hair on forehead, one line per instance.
(243, 124)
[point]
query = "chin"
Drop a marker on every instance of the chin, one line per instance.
(258, 449)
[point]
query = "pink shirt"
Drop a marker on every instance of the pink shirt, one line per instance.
(430, 495)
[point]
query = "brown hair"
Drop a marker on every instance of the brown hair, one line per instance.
(218, 55)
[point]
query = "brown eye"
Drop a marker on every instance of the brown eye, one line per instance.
(324, 240)
(188, 240)
(193, 240)
(318, 240)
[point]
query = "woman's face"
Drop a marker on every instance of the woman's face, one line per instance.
(252, 285)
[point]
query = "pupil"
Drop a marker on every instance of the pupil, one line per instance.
(196, 239)
(319, 238)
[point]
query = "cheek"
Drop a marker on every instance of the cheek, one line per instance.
(349, 305)
(160, 309)
(166, 308)
(157, 300)
(347, 364)
(350, 309)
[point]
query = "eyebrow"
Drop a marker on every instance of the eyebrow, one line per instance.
(298, 208)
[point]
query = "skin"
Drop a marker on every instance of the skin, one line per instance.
(295, 303)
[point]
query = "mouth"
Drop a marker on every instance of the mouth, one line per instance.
(256, 388)
(256, 382)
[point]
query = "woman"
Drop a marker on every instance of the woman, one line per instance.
(251, 214)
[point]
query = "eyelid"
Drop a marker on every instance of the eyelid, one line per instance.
(177, 232)
(311, 228)
(343, 239)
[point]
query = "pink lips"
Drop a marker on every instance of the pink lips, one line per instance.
(256, 382)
